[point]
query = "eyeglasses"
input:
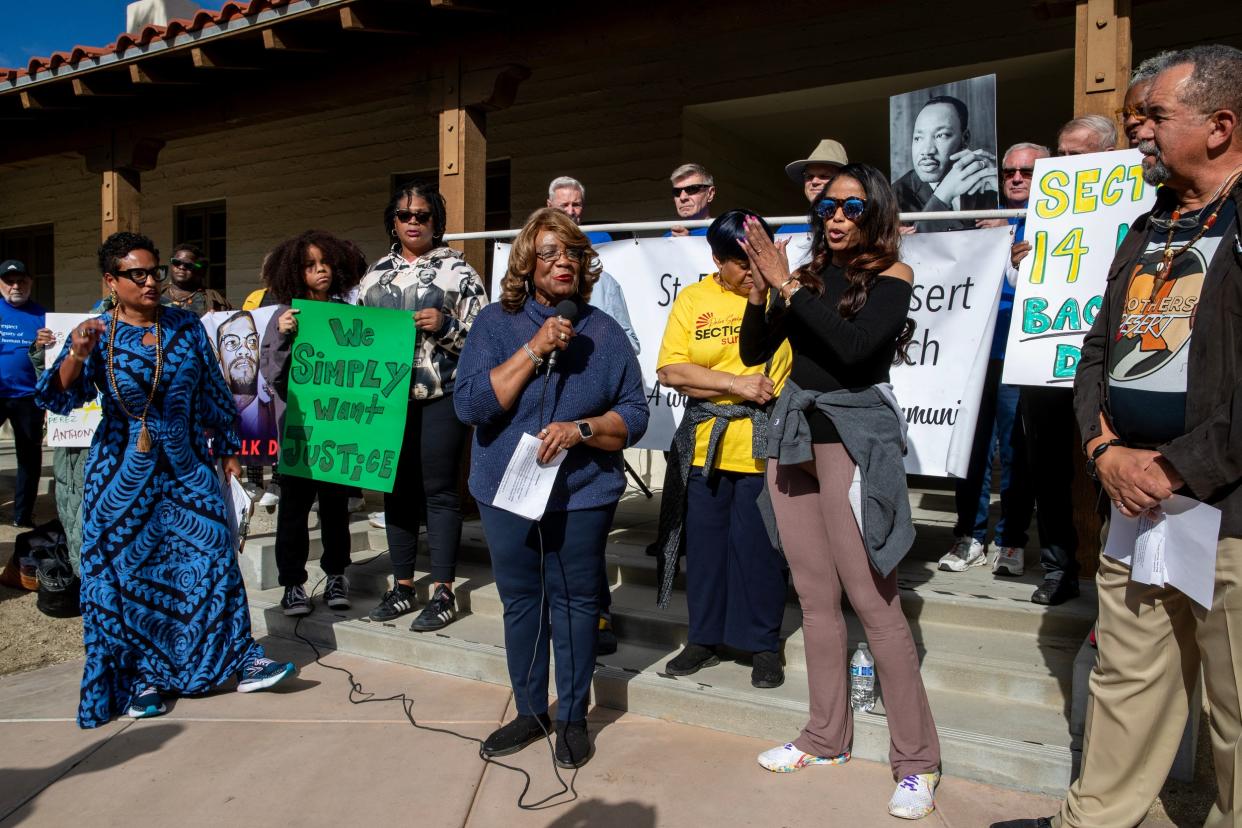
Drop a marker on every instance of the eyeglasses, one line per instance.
(851, 207)
(551, 254)
(140, 275)
(420, 216)
(187, 265)
(690, 189)
(1127, 112)
(233, 343)
(1027, 172)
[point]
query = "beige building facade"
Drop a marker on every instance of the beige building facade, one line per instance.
(304, 113)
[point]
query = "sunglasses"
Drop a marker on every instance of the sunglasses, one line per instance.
(1129, 112)
(420, 216)
(551, 254)
(140, 275)
(851, 207)
(1008, 172)
(184, 264)
(690, 189)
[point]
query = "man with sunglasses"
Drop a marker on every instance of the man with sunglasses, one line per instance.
(1131, 113)
(185, 287)
(998, 427)
(694, 189)
(20, 321)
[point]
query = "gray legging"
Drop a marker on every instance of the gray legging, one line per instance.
(69, 471)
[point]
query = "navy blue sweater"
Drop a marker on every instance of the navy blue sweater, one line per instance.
(596, 374)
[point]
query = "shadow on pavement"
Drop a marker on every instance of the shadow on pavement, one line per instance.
(130, 743)
(597, 814)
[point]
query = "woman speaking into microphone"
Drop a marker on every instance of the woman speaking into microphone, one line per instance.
(533, 366)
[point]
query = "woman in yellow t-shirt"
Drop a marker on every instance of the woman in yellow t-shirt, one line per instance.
(736, 580)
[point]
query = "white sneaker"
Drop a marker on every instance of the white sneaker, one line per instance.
(965, 553)
(270, 496)
(1009, 561)
(787, 759)
(915, 796)
(357, 504)
(377, 520)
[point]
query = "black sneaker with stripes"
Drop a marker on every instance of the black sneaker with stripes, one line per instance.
(439, 612)
(396, 602)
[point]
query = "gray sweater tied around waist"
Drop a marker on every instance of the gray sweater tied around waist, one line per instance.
(873, 431)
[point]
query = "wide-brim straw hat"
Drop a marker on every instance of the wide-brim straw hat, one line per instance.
(827, 151)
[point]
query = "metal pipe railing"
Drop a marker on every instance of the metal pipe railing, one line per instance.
(775, 221)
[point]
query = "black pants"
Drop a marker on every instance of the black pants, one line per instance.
(27, 420)
(293, 538)
(426, 483)
(1051, 437)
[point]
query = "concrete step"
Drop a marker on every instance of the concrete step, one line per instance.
(997, 662)
(984, 737)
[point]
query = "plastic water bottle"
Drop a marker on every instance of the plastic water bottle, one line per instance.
(862, 679)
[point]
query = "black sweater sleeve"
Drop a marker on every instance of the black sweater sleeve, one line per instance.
(762, 332)
(874, 328)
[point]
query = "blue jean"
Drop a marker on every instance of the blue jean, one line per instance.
(558, 600)
(735, 581)
(999, 429)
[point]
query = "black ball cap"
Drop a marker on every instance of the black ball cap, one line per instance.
(12, 268)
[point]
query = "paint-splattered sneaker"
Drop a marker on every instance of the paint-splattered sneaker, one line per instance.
(915, 796)
(787, 759)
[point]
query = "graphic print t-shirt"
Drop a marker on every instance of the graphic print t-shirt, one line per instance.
(1149, 356)
(703, 328)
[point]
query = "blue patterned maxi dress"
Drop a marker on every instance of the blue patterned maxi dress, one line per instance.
(162, 596)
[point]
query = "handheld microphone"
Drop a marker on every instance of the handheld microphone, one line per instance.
(568, 309)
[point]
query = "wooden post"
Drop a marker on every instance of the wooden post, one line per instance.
(1102, 54)
(463, 166)
(122, 200)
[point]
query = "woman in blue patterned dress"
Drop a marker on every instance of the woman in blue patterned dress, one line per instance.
(163, 606)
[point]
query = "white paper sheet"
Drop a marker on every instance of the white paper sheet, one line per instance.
(238, 507)
(1172, 545)
(527, 483)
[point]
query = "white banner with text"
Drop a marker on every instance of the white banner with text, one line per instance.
(957, 279)
(1080, 209)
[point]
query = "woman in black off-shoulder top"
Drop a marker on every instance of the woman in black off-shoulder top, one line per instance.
(845, 315)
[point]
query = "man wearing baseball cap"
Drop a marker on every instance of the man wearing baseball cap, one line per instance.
(813, 173)
(20, 321)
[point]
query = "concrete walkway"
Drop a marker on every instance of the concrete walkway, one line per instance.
(305, 756)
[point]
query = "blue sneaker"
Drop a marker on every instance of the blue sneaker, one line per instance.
(147, 702)
(263, 673)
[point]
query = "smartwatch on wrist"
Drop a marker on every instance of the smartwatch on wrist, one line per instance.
(584, 428)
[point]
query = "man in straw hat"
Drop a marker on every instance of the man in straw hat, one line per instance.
(813, 173)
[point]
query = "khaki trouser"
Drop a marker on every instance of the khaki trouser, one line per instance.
(1151, 643)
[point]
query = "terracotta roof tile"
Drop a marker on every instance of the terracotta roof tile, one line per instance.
(148, 35)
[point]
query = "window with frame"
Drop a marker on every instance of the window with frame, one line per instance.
(206, 227)
(35, 247)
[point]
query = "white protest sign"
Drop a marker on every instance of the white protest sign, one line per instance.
(957, 284)
(1080, 209)
(78, 428)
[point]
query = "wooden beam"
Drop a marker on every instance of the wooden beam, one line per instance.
(1102, 57)
(148, 75)
(122, 199)
(90, 87)
(493, 88)
(283, 40)
(463, 166)
(354, 19)
(207, 57)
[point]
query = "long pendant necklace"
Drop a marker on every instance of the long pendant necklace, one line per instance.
(1164, 269)
(144, 436)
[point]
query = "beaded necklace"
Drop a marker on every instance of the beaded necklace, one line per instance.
(1165, 267)
(144, 436)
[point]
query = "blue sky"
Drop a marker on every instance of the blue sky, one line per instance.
(40, 27)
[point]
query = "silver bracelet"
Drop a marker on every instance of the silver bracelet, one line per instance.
(534, 357)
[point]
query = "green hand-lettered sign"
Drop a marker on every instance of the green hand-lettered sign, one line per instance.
(349, 386)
